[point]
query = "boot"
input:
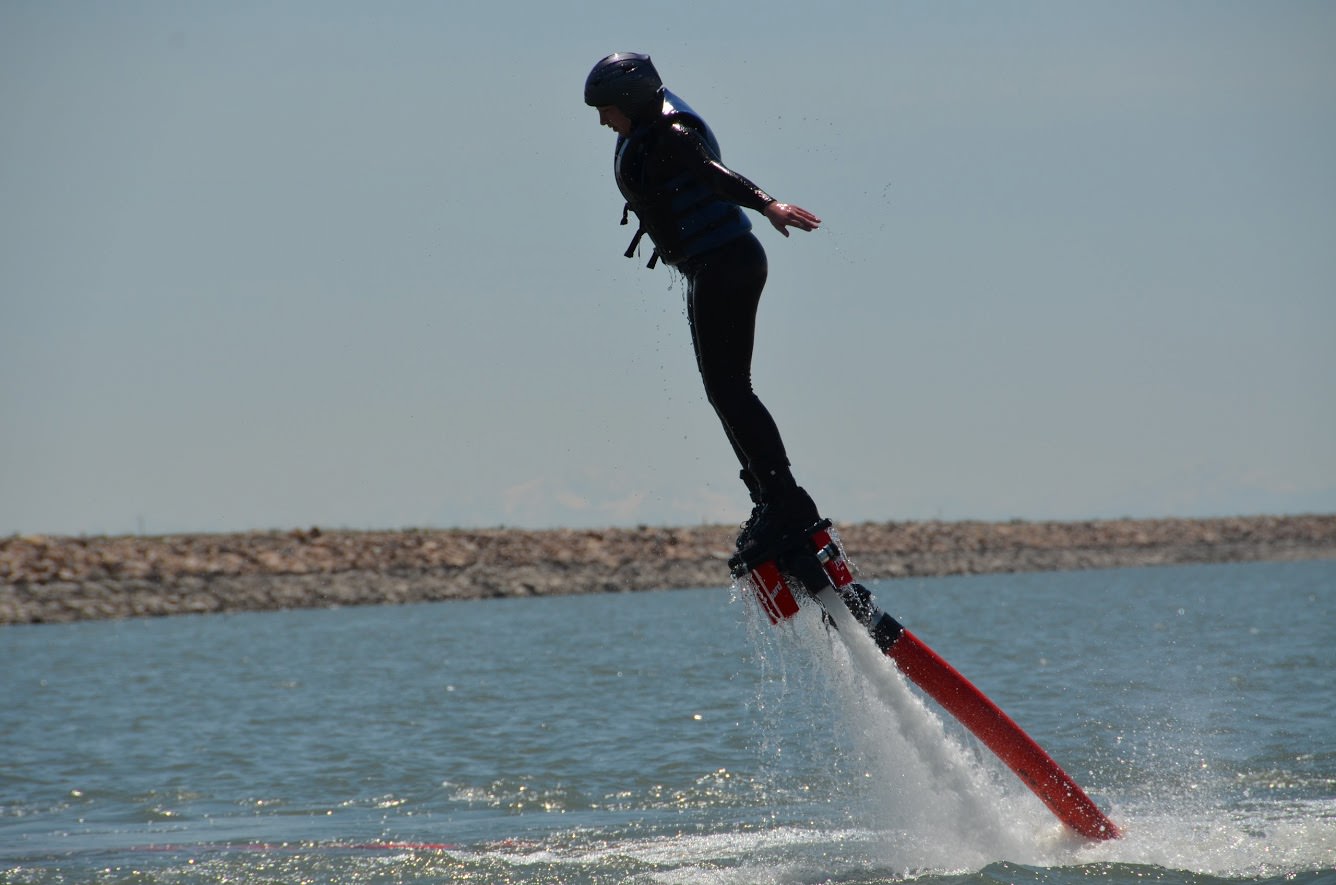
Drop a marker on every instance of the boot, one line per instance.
(754, 491)
(786, 509)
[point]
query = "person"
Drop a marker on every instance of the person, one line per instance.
(668, 168)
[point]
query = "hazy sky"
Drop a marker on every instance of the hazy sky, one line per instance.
(266, 265)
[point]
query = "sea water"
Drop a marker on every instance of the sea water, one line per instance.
(677, 737)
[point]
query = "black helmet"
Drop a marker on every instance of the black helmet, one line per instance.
(625, 80)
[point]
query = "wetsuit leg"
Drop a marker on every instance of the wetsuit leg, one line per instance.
(724, 289)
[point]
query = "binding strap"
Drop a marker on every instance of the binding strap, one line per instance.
(635, 241)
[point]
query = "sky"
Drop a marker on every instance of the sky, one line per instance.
(358, 265)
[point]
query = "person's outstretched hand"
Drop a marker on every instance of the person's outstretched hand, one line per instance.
(785, 215)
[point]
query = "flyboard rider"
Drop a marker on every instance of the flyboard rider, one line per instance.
(668, 168)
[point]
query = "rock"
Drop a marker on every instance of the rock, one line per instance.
(46, 579)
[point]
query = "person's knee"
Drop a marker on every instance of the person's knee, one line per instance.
(732, 399)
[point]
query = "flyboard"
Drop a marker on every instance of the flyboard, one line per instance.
(814, 563)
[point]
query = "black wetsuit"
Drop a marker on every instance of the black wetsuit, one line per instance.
(670, 173)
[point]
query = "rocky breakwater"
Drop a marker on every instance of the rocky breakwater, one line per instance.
(47, 579)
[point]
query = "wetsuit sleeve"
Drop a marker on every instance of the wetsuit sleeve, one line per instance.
(691, 150)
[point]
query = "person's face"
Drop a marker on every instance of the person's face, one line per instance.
(612, 117)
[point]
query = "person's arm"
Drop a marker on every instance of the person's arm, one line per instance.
(737, 188)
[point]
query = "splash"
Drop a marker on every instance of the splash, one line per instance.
(930, 799)
(930, 795)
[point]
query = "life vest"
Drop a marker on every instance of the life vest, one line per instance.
(682, 215)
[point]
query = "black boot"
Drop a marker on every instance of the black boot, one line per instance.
(754, 490)
(786, 510)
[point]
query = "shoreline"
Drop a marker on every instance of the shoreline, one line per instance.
(58, 579)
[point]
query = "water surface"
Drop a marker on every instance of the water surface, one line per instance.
(677, 737)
